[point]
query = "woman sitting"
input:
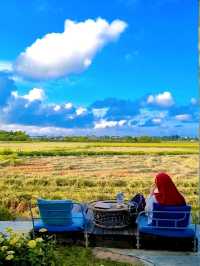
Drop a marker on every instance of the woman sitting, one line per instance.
(163, 192)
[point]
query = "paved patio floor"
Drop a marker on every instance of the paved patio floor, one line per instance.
(158, 258)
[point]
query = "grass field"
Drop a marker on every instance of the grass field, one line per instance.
(87, 178)
(96, 148)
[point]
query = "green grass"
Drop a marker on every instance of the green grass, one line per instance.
(77, 256)
(13, 153)
(93, 153)
(95, 148)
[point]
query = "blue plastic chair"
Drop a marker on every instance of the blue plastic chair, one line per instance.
(60, 216)
(167, 221)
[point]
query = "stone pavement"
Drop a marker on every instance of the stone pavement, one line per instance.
(159, 258)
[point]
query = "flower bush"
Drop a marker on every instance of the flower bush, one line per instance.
(21, 250)
(5, 214)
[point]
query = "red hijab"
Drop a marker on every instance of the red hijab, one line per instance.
(167, 191)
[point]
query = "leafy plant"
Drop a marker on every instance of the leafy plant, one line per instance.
(20, 250)
(5, 214)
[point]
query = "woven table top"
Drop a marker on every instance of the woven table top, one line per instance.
(113, 206)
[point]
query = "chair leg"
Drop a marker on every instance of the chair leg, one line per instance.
(195, 247)
(138, 239)
(86, 239)
(194, 243)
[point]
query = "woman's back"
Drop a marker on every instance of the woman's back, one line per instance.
(163, 193)
(167, 193)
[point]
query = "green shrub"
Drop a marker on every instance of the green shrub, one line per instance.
(5, 214)
(18, 249)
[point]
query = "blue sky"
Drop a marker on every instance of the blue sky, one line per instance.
(118, 67)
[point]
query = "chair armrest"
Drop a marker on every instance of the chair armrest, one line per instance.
(82, 210)
(157, 220)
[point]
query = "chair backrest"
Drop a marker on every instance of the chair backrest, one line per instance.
(55, 212)
(171, 216)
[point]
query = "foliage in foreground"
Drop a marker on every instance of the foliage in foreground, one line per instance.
(20, 250)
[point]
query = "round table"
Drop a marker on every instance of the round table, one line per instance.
(114, 217)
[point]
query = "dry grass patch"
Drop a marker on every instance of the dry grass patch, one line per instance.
(86, 178)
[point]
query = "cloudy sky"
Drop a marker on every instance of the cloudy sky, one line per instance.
(117, 67)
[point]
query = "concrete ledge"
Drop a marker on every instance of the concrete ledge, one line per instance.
(18, 226)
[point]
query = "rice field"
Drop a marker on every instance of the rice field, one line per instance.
(184, 147)
(87, 178)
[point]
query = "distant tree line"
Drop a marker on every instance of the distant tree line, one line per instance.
(13, 136)
(22, 136)
(115, 139)
(112, 139)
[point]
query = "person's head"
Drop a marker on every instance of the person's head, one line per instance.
(167, 192)
(163, 180)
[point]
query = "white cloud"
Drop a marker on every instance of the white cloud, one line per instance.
(56, 108)
(68, 105)
(150, 99)
(15, 94)
(99, 112)
(183, 117)
(164, 99)
(146, 116)
(122, 123)
(189, 130)
(157, 121)
(81, 110)
(35, 94)
(37, 130)
(6, 66)
(104, 124)
(108, 124)
(72, 51)
(32, 95)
